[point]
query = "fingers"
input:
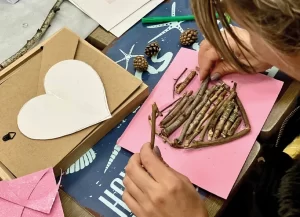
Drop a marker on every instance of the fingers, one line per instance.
(153, 164)
(133, 190)
(138, 175)
(207, 59)
(157, 152)
(132, 204)
(221, 68)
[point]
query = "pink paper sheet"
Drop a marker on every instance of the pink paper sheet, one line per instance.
(214, 169)
(34, 195)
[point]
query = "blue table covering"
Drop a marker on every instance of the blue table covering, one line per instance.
(95, 180)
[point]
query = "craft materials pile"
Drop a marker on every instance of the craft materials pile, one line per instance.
(211, 116)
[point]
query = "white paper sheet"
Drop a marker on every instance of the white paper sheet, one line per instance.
(126, 24)
(75, 99)
(109, 13)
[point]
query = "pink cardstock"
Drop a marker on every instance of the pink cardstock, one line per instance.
(34, 195)
(214, 169)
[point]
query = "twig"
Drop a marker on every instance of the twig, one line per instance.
(203, 107)
(169, 130)
(176, 110)
(170, 105)
(219, 127)
(219, 91)
(230, 121)
(219, 111)
(203, 132)
(153, 130)
(190, 100)
(38, 35)
(180, 87)
(174, 107)
(220, 100)
(220, 141)
(165, 139)
(214, 107)
(234, 126)
(176, 80)
(186, 129)
(243, 112)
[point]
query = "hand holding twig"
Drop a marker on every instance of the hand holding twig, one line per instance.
(153, 125)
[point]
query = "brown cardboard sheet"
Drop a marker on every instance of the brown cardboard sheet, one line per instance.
(23, 80)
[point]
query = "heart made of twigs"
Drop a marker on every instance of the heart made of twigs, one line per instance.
(74, 100)
(220, 141)
(192, 111)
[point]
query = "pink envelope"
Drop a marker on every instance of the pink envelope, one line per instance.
(214, 169)
(34, 195)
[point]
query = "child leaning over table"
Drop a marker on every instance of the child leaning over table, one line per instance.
(270, 37)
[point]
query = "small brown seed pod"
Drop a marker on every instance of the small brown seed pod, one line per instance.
(152, 49)
(140, 63)
(189, 37)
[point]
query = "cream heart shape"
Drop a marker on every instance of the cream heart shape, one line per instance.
(75, 99)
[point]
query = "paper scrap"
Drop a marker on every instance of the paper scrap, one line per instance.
(75, 99)
(34, 195)
(128, 22)
(109, 14)
(214, 169)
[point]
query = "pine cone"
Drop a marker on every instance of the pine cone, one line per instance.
(140, 63)
(189, 37)
(152, 49)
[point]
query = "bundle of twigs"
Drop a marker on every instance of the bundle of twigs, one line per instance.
(209, 117)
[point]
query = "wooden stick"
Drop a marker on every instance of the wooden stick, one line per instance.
(203, 107)
(190, 100)
(180, 87)
(243, 112)
(214, 107)
(185, 128)
(38, 35)
(234, 126)
(199, 129)
(170, 105)
(169, 130)
(211, 117)
(176, 80)
(208, 118)
(219, 111)
(153, 130)
(220, 141)
(224, 117)
(190, 121)
(176, 109)
(165, 139)
(230, 121)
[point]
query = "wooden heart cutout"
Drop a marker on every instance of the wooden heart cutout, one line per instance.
(74, 100)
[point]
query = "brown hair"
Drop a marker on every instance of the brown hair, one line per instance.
(276, 21)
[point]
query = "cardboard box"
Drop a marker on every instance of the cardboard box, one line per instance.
(23, 80)
(100, 38)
